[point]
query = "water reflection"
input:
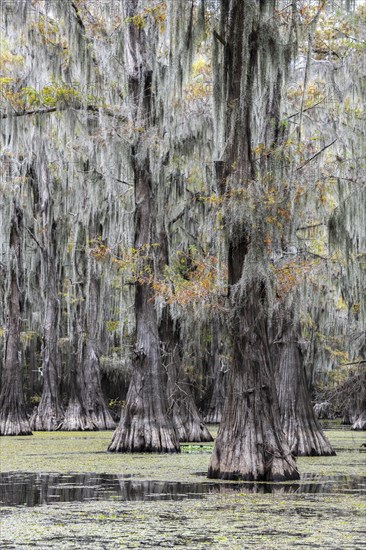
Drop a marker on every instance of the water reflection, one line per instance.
(39, 489)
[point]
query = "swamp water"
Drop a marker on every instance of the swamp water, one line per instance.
(63, 490)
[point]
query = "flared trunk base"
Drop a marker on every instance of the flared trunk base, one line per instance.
(249, 460)
(306, 438)
(192, 432)
(47, 417)
(14, 423)
(213, 417)
(76, 419)
(140, 436)
(360, 424)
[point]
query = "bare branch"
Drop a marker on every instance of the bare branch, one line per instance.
(352, 363)
(77, 16)
(46, 110)
(219, 38)
(33, 237)
(316, 155)
(310, 226)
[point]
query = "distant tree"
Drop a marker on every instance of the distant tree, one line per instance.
(13, 416)
(303, 431)
(49, 413)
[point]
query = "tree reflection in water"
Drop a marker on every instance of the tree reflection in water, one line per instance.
(41, 489)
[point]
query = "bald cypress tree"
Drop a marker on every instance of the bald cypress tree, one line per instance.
(145, 424)
(250, 73)
(13, 417)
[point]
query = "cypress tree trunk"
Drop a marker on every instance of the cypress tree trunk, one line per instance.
(87, 408)
(49, 413)
(146, 424)
(356, 406)
(303, 431)
(250, 444)
(360, 423)
(89, 376)
(13, 417)
(186, 417)
(77, 417)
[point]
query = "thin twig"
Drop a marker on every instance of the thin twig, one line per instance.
(353, 363)
(316, 155)
(310, 226)
(33, 237)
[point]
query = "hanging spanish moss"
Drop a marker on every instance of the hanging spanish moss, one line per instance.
(254, 63)
(182, 172)
(13, 418)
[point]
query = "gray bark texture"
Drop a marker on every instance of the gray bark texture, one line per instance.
(186, 416)
(87, 408)
(303, 431)
(49, 414)
(13, 417)
(251, 444)
(146, 423)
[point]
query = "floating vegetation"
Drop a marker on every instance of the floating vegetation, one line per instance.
(63, 490)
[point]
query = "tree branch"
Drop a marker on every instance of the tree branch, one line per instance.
(353, 363)
(77, 16)
(33, 237)
(310, 226)
(46, 110)
(307, 109)
(219, 38)
(316, 155)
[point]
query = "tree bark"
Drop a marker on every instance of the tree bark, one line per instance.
(87, 408)
(89, 380)
(360, 423)
(49, 414)
(355, 409)
(146, 424)
(186, 417)
(250, 444)
(76, 414)
(13, 417)
(303, 431)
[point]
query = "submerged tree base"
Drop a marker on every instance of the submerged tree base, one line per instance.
(195, 431)
(47, 418)
(186, 418)
(242, 464)
(76, 419)
(143, 437)
(360, 424)
(238, 476)
(306, 438)
(14, 424)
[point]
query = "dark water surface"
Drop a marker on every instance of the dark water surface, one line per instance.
(31, 489)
